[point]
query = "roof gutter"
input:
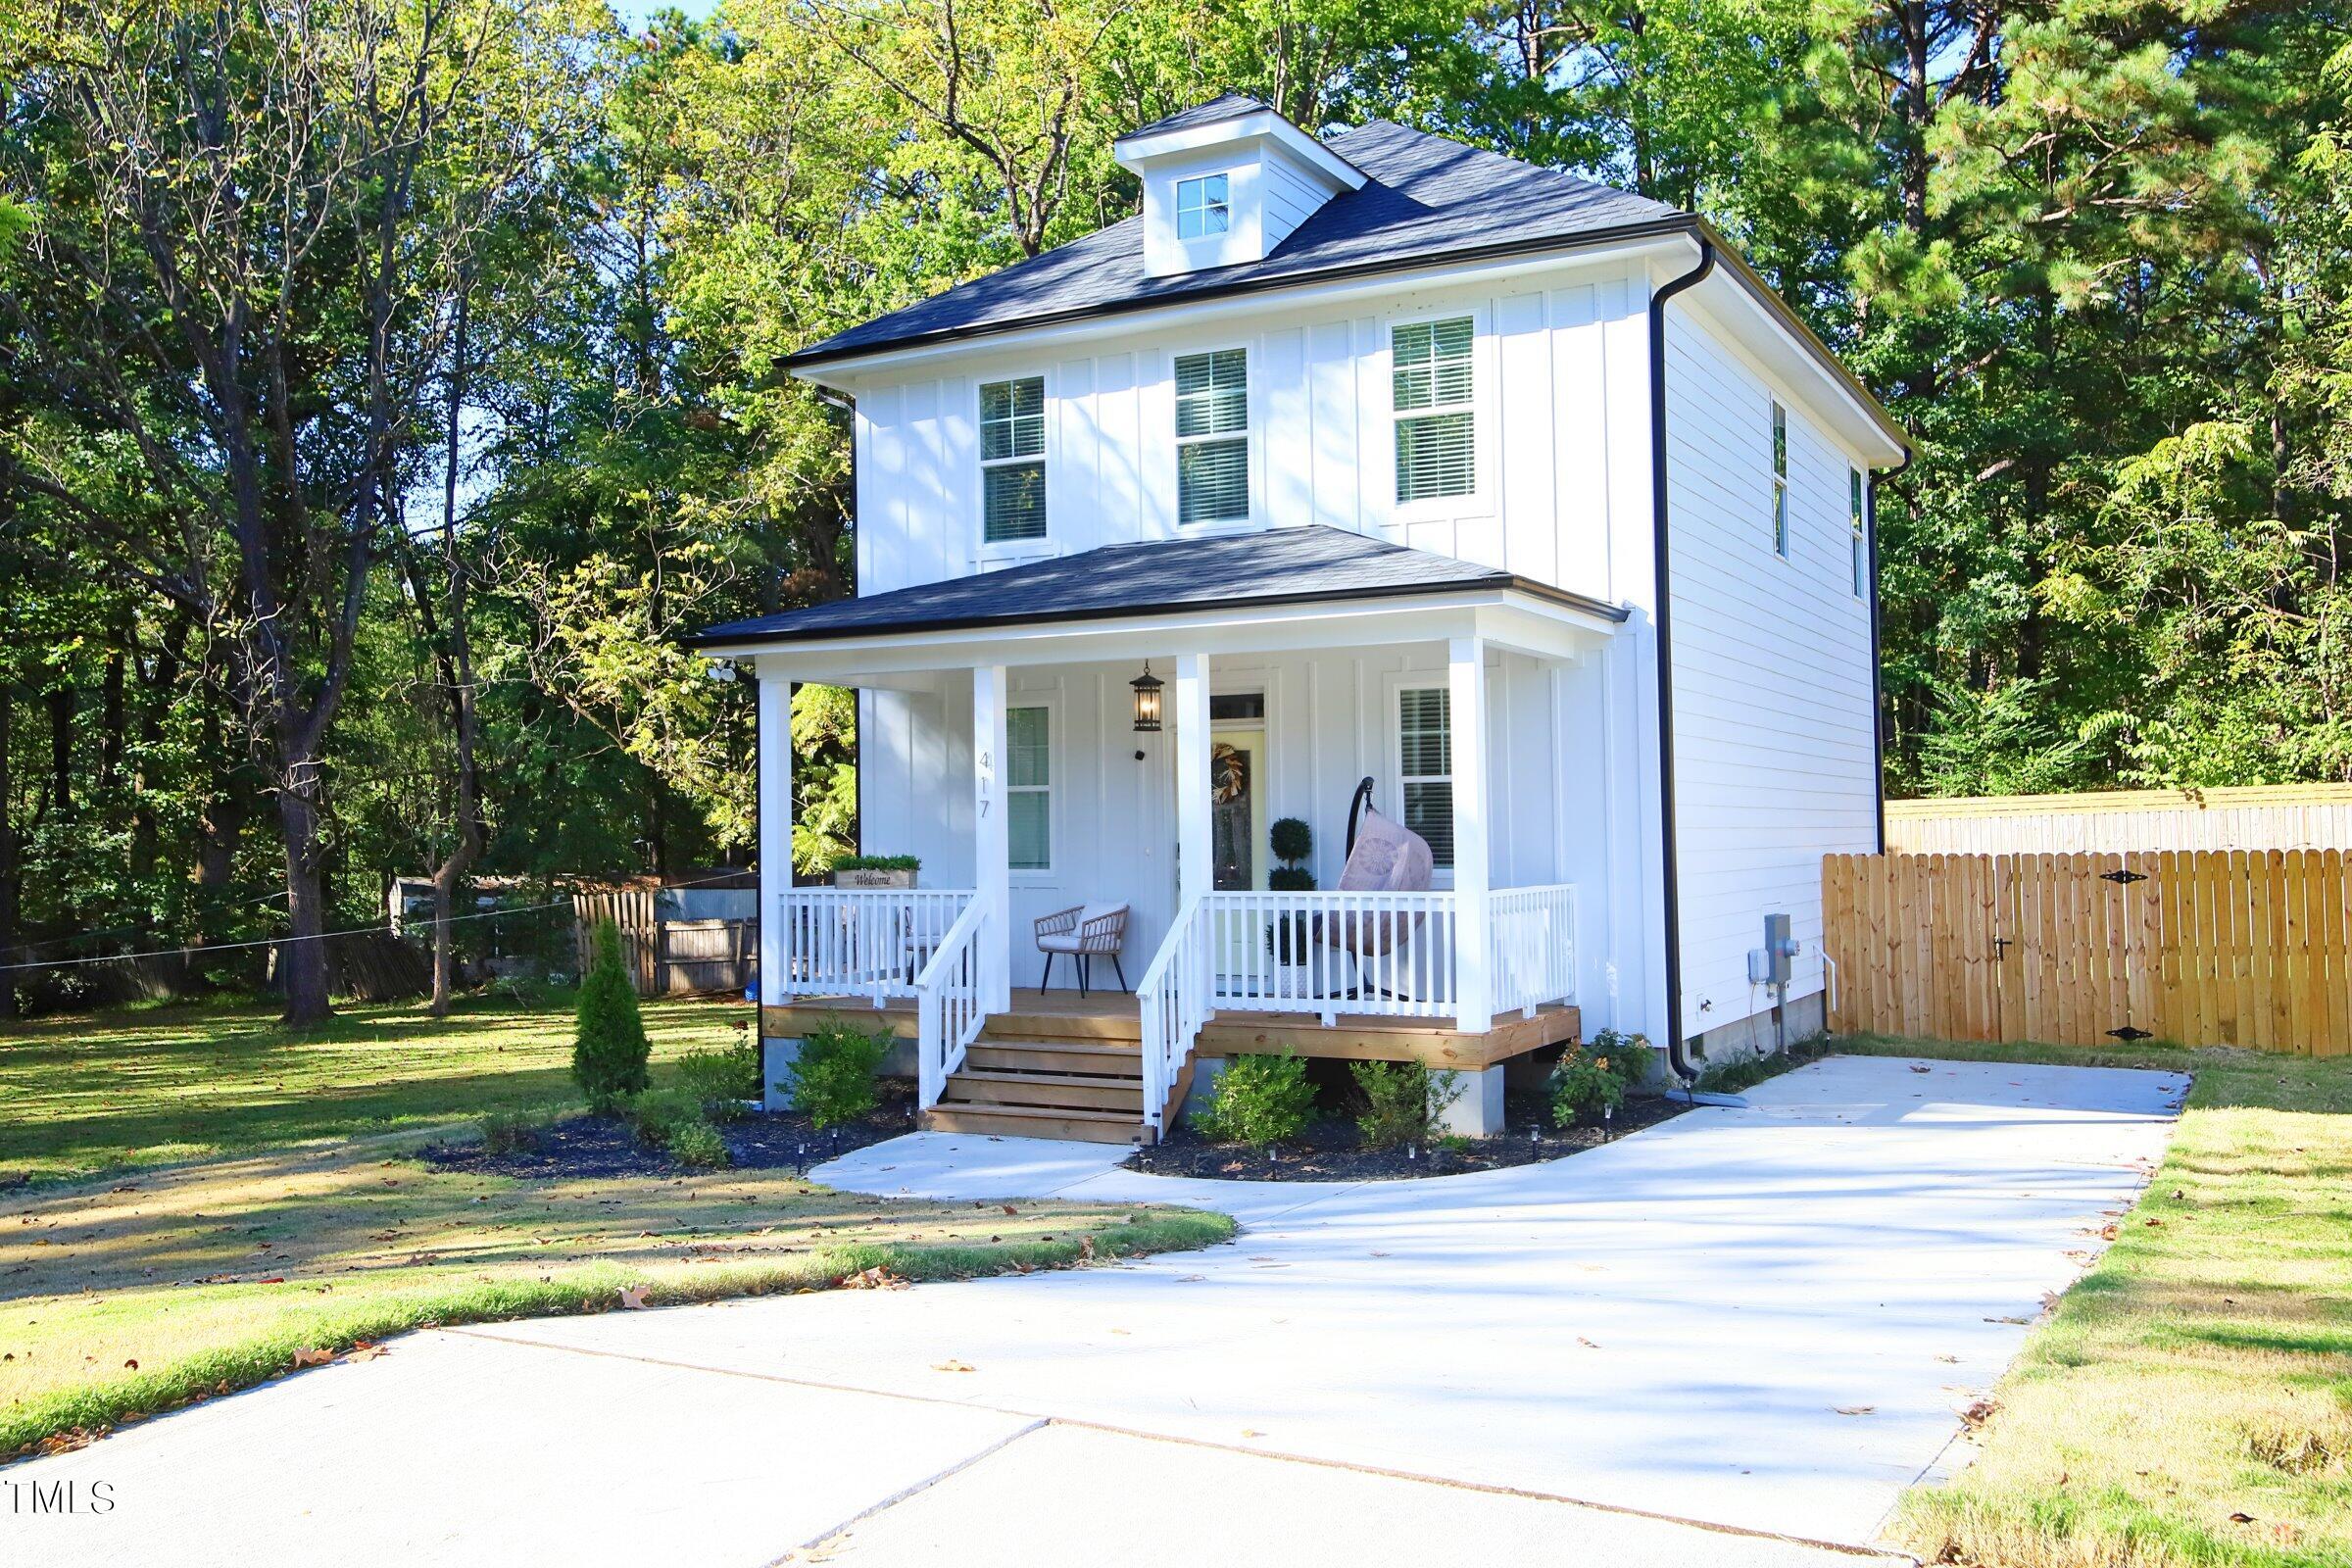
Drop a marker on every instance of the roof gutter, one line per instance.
(1677, 1060)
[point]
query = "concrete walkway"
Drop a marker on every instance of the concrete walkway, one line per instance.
(1762, 1319)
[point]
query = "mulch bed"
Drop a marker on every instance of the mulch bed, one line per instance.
(586, 1147)
(1329, 1153)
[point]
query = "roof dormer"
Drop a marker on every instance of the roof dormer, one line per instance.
(1225, 183)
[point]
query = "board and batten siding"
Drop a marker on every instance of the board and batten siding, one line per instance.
(1773, 694)
(1556, 452)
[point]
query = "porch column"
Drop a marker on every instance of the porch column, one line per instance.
(1474, 1006)
(773, 740)
(1195, 852)
(991, 843)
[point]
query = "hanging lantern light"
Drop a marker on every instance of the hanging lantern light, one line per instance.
(1146, 700)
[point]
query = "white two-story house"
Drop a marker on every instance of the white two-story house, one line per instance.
(1373, 458)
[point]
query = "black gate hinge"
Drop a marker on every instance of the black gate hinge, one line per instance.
(2124, 878)
(2128, 1034)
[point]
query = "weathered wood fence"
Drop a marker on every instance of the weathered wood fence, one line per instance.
(667, 957)
(2193, 947)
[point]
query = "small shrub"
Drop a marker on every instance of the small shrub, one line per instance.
(1580, 1085)
(721, 1080)
(699, 1146)
(1403, 1101)
(1260, 1100)
(1629, 1056)
(658, 1114)
(833, 1081)
(610, 1051)
(878, 862)
(508, 1132)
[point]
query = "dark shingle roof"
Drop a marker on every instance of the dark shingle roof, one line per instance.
(1281, 567)
(1225, 106)
(1425, 198)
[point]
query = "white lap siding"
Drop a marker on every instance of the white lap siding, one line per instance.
(1772, 676)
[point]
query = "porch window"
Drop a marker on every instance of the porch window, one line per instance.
(1212, 436)
(1432, 393)
(1029, 788)
(1854, 515)
(1780, 481)
(1012, 459)
(1425, 758)
(1202, 207)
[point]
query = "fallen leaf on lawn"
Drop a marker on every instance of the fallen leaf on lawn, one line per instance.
(1853, 1409)
(876, 1278)
(2241, 1518)
(310, 1355)
(1009, 1209)
(365, 1350)
(131, 1365)
(633, 1297)
(1086, 1247)
(952, 1366)
(1978, 1412)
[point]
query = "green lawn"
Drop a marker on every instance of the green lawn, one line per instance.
(142, 1086)
(293, 1241)
(2188, 1403)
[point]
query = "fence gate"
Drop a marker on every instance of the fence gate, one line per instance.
(2200, 948)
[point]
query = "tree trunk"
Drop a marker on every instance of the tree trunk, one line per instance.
(456, 656)
(9, 894)
(302, 955)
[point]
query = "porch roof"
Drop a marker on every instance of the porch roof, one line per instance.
(1285, 566)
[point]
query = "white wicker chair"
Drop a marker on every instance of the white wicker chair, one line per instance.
(1085, 932)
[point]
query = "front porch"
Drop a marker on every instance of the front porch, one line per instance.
(1137, 755)
(1052, 1063)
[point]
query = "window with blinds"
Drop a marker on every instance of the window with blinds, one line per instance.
(1780, 481)
(1853, 511)
(1012, 460)
(1425, 764)
(1029, 788)
(1437, 437)
(1212, 436)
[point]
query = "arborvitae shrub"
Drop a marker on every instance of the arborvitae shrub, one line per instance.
(610, 1051)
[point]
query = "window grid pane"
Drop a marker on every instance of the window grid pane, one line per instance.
(1431, 378)
(1200, 206)
(1212, 401)
(1425, 750)
(1029, 831)
(1028, 773)
(1014, 501)
(1028, 762)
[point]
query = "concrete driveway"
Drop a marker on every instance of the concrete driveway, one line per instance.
(1763, 1320)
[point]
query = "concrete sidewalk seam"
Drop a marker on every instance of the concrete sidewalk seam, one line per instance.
(909, 1490)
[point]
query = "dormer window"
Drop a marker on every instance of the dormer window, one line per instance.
(1202, 207)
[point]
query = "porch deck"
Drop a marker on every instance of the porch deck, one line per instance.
(1115, 1019)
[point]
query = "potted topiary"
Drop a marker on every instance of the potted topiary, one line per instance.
(875, 872)
(1291, 842)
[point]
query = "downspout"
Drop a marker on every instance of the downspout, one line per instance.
(1676, 1061)
(1878, 678)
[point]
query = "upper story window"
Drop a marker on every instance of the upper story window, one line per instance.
(1424, 766)
(1202, 207)
(1029, 788)
(1780, 481)
(1437, 437)
(1212, 436)
(1012, 459)
(1854, 515)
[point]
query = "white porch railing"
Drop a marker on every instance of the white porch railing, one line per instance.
(1384, 955)
(1532, 947)
(1173, 997)
(950, 1004)
(870, 942)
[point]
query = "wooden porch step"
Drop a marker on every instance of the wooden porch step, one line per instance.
(1046, 1090)
(1055, 1056)
(1019, 1121)
(1123, 1026)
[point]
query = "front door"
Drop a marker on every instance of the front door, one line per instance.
(1237, 775)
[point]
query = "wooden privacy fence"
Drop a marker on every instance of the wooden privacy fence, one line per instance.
(667, 957)
(2266, 816)
(2196, 947)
